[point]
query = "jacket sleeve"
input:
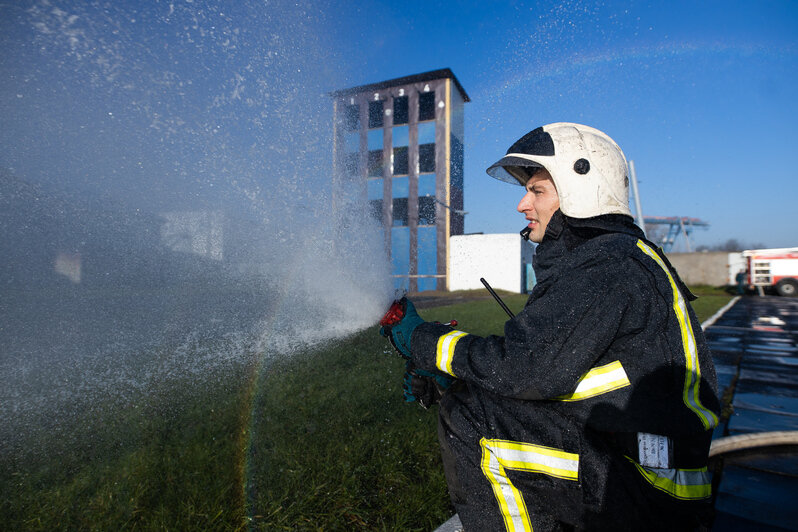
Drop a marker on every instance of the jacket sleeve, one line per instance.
(546, 348)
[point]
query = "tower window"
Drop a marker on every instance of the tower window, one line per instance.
(400, 211)
(375, 114)
(401, 111)
(426, 106)
(400, 164)
(426, 211)
(352, 164)
(426, 158)
(352, 117)
(375, 163)
(375, 209)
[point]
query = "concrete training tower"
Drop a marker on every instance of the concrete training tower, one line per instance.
(400, 142)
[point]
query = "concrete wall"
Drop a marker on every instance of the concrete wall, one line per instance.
(708, 268)
(499, 258)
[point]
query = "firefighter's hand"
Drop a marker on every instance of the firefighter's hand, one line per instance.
(400, 333)
(423, 386)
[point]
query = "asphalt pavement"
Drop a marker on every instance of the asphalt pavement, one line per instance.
(755, 349)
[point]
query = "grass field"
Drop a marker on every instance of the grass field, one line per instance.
(318, 441)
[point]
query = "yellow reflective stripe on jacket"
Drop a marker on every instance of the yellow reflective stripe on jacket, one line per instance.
(500, 455)
(445, 351)
(685, 484)
(598, 381)
(692, 378)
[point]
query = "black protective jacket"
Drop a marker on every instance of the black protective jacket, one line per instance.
(597, 405)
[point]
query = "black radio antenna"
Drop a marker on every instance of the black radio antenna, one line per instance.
(497, 298)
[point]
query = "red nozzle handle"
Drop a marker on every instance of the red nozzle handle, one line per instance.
(395, 313)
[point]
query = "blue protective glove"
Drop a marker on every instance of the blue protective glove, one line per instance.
(400, 333)
(424, 386)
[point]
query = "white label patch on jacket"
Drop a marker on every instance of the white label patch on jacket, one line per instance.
(653, 450)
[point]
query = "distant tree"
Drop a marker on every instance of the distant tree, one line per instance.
(731, 245)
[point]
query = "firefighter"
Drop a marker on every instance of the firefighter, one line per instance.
(595, 410)
(741, 278)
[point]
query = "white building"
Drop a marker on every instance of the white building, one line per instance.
(504, 260)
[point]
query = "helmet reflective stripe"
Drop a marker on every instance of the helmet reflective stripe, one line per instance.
(587, 167)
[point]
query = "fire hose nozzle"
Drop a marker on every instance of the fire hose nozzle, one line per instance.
(395, 313)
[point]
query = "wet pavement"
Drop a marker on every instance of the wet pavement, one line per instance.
(755, 349)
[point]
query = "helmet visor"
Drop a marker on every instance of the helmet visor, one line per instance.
(515, 170)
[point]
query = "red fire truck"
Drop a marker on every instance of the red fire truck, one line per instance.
(773, 267)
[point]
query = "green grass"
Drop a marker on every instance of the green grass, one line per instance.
(168, 462)
(710, 300)
(319, 441)
(336, 448)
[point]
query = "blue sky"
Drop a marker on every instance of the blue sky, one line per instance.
(170, 102)
(701, 95)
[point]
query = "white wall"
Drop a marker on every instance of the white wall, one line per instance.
(498, 258)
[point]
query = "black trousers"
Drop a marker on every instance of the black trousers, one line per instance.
(549, 504)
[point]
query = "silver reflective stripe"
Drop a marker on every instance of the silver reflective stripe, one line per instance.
(685, 484)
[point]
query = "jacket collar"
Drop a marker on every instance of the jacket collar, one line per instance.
(572, 242)
(564, 235)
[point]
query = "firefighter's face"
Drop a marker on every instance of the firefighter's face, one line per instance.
(539, 203)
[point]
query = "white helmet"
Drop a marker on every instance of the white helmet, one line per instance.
(587, 167)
